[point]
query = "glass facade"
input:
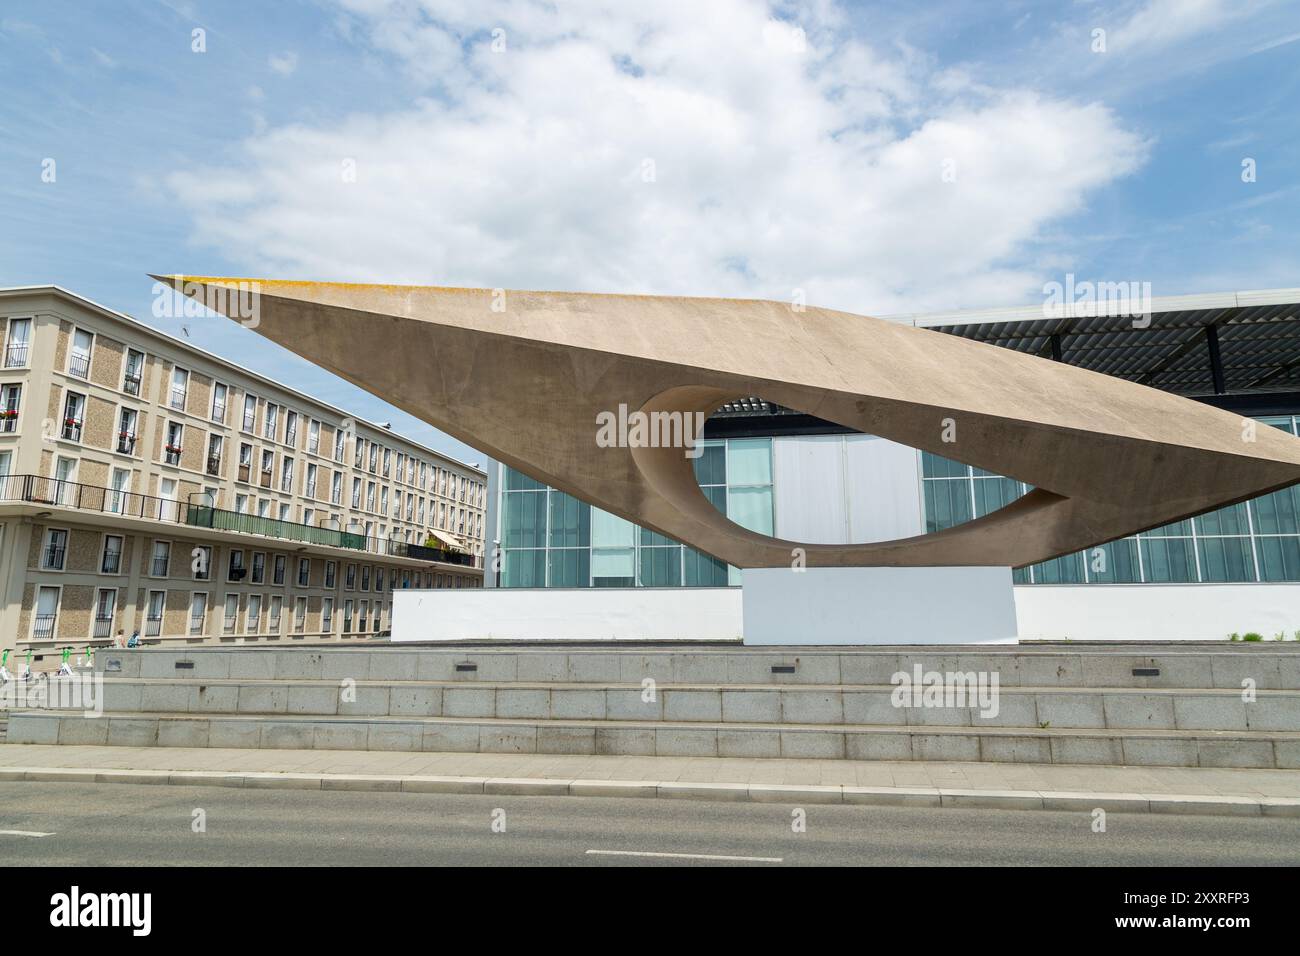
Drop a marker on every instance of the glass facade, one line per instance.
(551, 539)
(1257, 540)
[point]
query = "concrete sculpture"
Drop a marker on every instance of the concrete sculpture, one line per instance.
(530, 378)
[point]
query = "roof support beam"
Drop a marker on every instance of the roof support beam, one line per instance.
(1216, 358)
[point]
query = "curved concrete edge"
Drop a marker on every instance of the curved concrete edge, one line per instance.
(1070, 801)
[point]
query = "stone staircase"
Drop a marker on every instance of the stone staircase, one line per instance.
(1153, 705)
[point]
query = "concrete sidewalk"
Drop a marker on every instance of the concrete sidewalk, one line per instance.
(886, 783)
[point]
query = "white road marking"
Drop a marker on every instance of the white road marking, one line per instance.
(27, 833)
(687, 856)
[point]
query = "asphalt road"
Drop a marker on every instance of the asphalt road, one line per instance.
(130, 825)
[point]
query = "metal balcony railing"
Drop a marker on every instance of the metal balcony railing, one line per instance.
(159, 567)
(38, 489)
(214, 465)
(196, 625)
(103, 626)
(126, 443)
(52, 559)
(16, 355)
(131, 383)
(177, 399)
(9, 420)
(79, 365)
(44, 626)
(72, 429)
(112, 561)
(153, 627)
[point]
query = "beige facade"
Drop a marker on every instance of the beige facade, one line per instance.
(149, 486)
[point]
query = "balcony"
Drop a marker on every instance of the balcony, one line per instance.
(43, 629)
(196, 625)
(52, 558)
(9, 420)
(41, 490)
(79, 366)
(177, 399)
(158, 568)
(103, 626)
(214, 465)
(265, 480)
(112, 562)
(131, 383)
(172, 454)
(248, 422)
(126, 443)
(219, 414)
(153, 627)
(16, 355)
(71, 429)
(244, 469)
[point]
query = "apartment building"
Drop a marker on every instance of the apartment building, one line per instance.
(149, 486)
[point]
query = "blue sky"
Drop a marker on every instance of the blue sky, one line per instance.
(730, 148)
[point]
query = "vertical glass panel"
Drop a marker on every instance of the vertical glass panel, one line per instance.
(751, 508)
(1284, 423)
(570, 521)
(525, 519)
(1020, 576)
(1168, 560)
(524, 569)
(947, 503)
(703, 571)
(660, 567)
(611, 531)
(1279, 558)
(1278, 513)
(518, 481)
(992, 493)
(711, 466)
(1179, 529)
(1226, 559)
(1067, 569)
(1229, 520)
(933, 466)
(717, 495)
(1114, 563)
(653, 539)
(749, 461)
(613, 567)
(569, 567)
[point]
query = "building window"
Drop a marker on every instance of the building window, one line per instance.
(361, 616)
(198, 611)
(350, 578)
(299, 614)
(356, 492)
(55, 551)
(252, 617)
(365, 577)
(10, 399)
(347, 617)
(79, 357)
(236, 570)
(277, 569)
(277, 605)
(313, 437)
(272, 423)
(374, 456)
(105, 605)
(110, 561)
(331, 569)
(47, 610)
(230, 618)
(379, 579)
(18, 343)
(219, 392)
(180, 388)
(201, 566)
(340, 443)
(336, 488)
(291, 428)
(327, 615)
(215, 444)
(286, 474)
(304, 572)
(311, 481)
(126, 431)
(259, 567)
(73, 415)
(268, 468)
(250, 413)
(160, 558)
(133, 372)
(173, 448)
(153, 615)
(245, 461)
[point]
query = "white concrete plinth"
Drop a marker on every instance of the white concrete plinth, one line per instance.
(564, 614)
(878, 606)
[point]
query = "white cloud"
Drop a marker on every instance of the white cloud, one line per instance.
(283, 63)
(781, 161)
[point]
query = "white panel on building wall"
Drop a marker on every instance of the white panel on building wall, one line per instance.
(809, 489)
(845, 489)
(884, 488)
